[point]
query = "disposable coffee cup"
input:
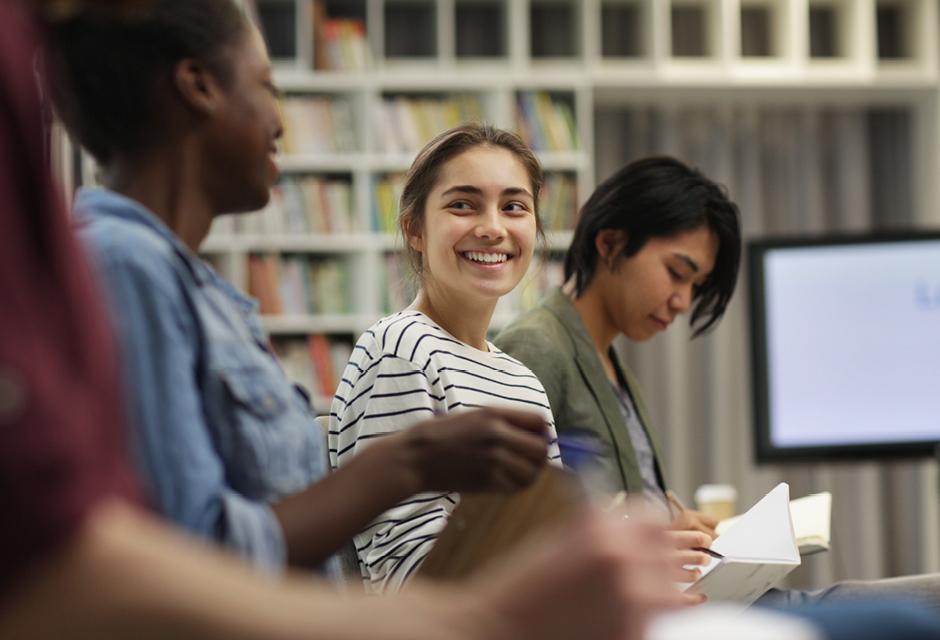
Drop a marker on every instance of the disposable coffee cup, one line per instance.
(717, 500)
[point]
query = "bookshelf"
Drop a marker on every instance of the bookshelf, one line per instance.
(367, 82)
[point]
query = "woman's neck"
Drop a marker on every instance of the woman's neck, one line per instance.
(466, 321)
(595, 318)
(167, 184)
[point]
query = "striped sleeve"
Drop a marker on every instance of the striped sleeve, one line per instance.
(380, 396)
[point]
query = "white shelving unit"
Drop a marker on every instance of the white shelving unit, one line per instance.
(586, 54)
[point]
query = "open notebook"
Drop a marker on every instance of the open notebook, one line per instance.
(753, 554)
(811, 516)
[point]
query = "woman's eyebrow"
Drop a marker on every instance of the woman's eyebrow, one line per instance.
(467, 188)
(463, 188)
(688, 261)
(515, 191)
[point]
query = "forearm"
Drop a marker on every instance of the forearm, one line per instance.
(318, 521)
(150, 582)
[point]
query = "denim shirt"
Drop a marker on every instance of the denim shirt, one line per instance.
(218, 431)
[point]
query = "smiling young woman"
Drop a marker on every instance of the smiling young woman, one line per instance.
(470, 222)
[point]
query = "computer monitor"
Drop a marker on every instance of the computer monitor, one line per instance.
(845, 335)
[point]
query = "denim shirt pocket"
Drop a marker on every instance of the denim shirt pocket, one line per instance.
(264, 445)
(251, 390)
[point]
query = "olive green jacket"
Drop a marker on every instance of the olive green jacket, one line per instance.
(553, 341)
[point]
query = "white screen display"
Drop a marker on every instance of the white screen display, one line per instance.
(853, 343)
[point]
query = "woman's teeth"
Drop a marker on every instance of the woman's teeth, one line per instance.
(486, 258)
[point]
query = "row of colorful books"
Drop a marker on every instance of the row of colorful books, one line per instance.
(339, 43)
(316, 124)
(315, 362)
(546, 121)
(406, 123)
(306, 204)
(300, 285)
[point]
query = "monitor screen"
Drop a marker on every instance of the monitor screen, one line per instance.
(846, 346)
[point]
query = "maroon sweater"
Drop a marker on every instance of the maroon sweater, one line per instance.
(61, 448)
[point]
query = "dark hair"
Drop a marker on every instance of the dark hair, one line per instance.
(105, 67)
(661, 197)
(426, 167)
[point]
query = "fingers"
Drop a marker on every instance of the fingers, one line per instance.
(477, 451)
(521, 443)
(527, 420)
(706, 522)
(683, 574)
(689, 557)
(510, 472)
(698, 521)
(690, 521)
(688, 539)
(691, 599)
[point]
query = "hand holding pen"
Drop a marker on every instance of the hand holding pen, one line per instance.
(684, 519)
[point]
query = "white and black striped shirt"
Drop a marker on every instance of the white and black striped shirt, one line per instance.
(403, 370)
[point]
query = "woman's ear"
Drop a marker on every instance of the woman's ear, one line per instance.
(609, 244)
(414, 236)
(197, 86)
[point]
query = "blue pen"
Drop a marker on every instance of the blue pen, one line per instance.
(578, 450)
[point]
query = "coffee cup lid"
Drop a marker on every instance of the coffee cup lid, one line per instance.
(716, 493)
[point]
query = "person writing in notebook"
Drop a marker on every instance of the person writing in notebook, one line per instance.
(655, 241)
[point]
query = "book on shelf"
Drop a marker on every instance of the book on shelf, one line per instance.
(386, 194)
(319, 348)
(753, 554)
(339, 43)
(330, 286)
(263, 275)
(811, 516)
(558, 202)
(304, 205)
(545, 122)
(342, 45)
(408, 122)
(317, 125)
(300, 285)
(315, 362)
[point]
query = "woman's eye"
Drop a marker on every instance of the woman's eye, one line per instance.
(460, 206)
(515, 207)
(675, 275)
